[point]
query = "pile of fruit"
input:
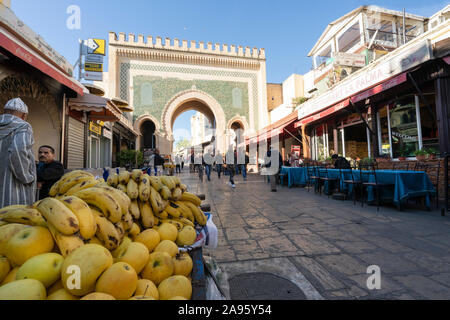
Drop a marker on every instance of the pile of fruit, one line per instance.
(97, 240)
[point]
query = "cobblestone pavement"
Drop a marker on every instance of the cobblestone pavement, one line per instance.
(325, 246)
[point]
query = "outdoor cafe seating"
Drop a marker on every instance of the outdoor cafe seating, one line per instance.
(369, 184)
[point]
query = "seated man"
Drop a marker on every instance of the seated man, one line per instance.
(49, 171)
(340, 162)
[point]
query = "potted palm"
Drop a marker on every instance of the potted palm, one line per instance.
(420, 155)
(431, 153)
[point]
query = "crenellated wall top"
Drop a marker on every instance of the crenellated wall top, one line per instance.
(186, 46)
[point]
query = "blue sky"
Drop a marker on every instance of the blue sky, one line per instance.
(287, 29)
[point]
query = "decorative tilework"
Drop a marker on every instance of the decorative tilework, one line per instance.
(165, 88)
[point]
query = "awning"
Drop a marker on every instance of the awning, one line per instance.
(354, 99)
(25, 53)
(99, 108)
(273, 130)
(323, 114)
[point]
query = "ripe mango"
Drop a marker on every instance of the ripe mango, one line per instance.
(91, 260)
(62, 295)
(98, 296)
(136, 255)
(5, 268)
(45, 267)
(119, 280)
(123, 245)
(28, 243)
(175, 286)
(7, 232)
(167, 246)
(150, 238)
(146, 288)
(10, 277)
(26, 289)
(159, 267)
(168, 231)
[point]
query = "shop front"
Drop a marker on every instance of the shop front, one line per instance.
(31, 70)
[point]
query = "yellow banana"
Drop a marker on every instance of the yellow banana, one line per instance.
(136, 175)
(168, 182)
(186, 222)
(113, 180)
(147, 217)
(122, 199)
(124, 177)
(88, 226)
(176, 180)
(157, 222)
(177, 224)
(185, 211)
(81, 186)
(134, 210)
(190, 197)
(94, 240)
(162, 215)
(176, 194)
(107, 233)
(156, 201)
(120, 230)
(165, 192)
(198, 214)
(144, 188)
(135, 230)
(66, 185)
(54, 190)
(183, 187)
(132, 189)
(66, 244)
(173, 210)
(103, 200)
(122, 187)
(3, 223)
(25, 215)
(61, 217)
(156, 183)
(127, 221)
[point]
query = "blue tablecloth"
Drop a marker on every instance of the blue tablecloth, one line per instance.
(405, 184)
(295, 176)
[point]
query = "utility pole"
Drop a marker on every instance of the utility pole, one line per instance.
(404, 26)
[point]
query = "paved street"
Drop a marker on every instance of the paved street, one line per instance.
(325, 246)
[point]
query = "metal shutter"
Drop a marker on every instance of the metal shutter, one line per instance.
(75, 144)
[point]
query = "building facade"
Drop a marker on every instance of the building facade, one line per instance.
(161, 80)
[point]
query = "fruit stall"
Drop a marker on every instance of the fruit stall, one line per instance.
(132, 237)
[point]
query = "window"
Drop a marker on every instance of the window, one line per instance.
(430, 135)
(146, 94)
(385, 30)
(349, 38)
(323, 56)
(404, 133)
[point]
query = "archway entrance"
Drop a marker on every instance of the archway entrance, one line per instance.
(238, 133)
(204, 104)
(148, 138)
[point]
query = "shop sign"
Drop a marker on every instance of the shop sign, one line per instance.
(93, 76)
(93, 127)
(107, 133)
(296, 150)
(94, 67)
(364, 79)
(349, 59)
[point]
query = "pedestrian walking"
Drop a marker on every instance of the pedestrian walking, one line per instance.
(177, 164)
(17, 162)
(272, 168)
(49, 171)
(159, 162)
(219, 164)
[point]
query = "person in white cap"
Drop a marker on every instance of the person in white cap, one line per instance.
(17, 162)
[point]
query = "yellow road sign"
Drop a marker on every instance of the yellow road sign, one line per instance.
(93, 67)
(97, 46)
